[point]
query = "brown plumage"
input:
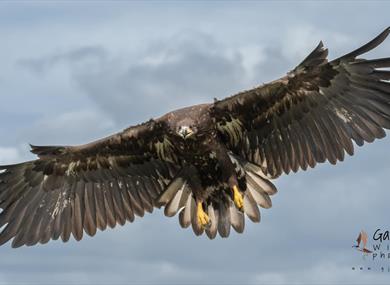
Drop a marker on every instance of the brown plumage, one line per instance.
(210, 163)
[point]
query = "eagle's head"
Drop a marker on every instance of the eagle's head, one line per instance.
(188, 123)
(186, 128)
(185, 131)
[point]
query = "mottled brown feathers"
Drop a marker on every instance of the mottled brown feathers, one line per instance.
(311, 115)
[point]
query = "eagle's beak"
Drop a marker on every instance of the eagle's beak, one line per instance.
(185, 132)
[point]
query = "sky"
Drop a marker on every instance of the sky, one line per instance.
(72, 72)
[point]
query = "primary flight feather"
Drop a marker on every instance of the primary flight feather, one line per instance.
(211, 163)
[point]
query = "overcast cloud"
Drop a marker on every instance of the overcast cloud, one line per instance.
(73, 72)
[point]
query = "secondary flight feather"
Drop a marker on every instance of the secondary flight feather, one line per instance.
(210, 164)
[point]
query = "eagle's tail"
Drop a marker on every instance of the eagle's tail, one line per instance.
(223, 212)
(220, 208)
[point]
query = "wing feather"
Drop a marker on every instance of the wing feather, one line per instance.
(70, 190)
(312, 114)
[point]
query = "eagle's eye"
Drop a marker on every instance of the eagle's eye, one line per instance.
(185, 131)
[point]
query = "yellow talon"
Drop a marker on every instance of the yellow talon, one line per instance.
(203, 218)
(237, 196)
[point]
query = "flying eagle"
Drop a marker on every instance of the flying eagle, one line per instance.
(211, 163)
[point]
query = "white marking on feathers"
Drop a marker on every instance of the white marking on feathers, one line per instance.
(176, 199)
(264, 163)
(343, 115)
(213, 154)
(43, 203)
(70, 169)
(60, 205)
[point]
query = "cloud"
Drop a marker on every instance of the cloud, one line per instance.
(178, 71)
(109, 73)
(9, 155)
(84, 55)
(74, 127)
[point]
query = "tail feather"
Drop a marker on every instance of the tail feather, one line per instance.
(224, 220)
(213, 215)
(174, 205)
(178, 197)
(184, 197)
(169, 193)
(185, 214)
(236, 217)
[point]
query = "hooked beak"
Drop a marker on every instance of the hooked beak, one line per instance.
(185, 132)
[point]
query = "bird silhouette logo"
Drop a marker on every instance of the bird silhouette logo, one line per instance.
(362, 242)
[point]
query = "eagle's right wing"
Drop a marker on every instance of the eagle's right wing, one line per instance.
(73, 189)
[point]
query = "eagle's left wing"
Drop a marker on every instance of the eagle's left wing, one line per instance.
(310, 115)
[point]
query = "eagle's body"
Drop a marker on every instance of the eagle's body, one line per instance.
(197, 152)
(206, 166)
(211, 163)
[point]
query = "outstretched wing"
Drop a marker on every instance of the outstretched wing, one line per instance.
(312, 114)
(70, 190)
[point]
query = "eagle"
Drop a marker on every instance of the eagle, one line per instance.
(210, 164)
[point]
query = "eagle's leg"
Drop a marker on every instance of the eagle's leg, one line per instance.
(229, 174)
(203, 218)
(237, 196)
